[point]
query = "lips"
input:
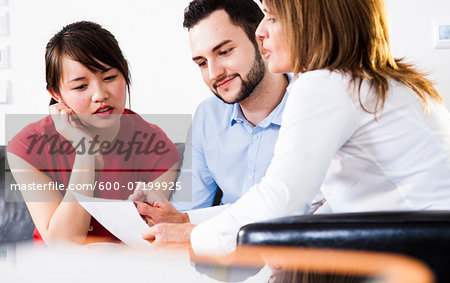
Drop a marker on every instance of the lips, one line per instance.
(225, 81)
(104, 110)
(266, 53)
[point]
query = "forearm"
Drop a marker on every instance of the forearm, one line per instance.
(197, 216)
(167, 180)
(70, 221)
(315, 125)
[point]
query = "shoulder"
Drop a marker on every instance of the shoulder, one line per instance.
(212, 112)
(134, 128)
(131, 121)
(30, 142)
(212, 106)
(320, 80)
(324, 87)
(319, 95)
(38, 129)
(44, 125)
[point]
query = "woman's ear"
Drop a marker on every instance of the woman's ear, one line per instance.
(55, 96)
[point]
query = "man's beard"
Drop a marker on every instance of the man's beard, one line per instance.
(251, 81)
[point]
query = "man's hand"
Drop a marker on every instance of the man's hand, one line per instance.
(169, 234)
(143, 193)
(161, 212)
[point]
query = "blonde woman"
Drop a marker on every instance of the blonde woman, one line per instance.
(370, 128)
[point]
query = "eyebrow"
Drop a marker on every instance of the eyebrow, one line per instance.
(77, 79)
(214, 48)
(82, 78)
(105, 70)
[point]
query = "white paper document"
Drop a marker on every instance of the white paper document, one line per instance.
(120, 217)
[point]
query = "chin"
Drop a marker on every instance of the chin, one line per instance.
(275, 70)
(276, 67)
(227, 98)
(230, 100)
(102, 123)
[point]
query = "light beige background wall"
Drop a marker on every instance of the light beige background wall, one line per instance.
(156, 46)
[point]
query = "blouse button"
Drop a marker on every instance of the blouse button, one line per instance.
(90, 229)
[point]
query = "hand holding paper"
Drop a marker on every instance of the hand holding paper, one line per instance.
(120, 217)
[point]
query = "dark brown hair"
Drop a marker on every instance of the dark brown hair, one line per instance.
(87, 43)
(243, 13)
(350, 36)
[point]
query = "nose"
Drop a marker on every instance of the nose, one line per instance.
(261, 31)
(215, 70)
(100, 93)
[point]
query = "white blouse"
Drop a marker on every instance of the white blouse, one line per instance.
(398, 160)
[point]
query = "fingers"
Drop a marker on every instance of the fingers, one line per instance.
(167, 233)
(67, 114)
(149, 234)
(156, 235)
(157, 213)
(59, 107)
(75, 121)
(145, 209)
(161, 212)
(138, 195)
(155, 196)
(165, 206)
(149, 221)
(68, 124)
(60, 113)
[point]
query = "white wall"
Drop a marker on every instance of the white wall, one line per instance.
(151, 36)
(411, 24)
(150, 33)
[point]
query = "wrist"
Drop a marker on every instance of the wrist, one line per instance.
(188, 232)
(186, 218)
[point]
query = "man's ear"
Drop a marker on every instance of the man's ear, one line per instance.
(55, 96)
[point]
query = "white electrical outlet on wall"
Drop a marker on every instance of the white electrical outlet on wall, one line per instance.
(4, 91)
(4, 23)
(441, 33)
(4, 57)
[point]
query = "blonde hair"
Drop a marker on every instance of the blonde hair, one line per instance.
(350, 36)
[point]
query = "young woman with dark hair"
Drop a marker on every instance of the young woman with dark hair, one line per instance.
(90, 143)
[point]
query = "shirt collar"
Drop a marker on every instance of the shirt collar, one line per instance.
(273, 118)
(236, 115)
(292, 79)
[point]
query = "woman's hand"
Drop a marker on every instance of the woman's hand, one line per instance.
(169, 234)
(68, 124)
(145, 194)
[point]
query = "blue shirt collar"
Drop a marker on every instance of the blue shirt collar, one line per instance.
(274, 117)
(236, 115)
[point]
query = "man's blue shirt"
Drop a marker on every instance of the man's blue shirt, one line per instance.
(227, 152)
